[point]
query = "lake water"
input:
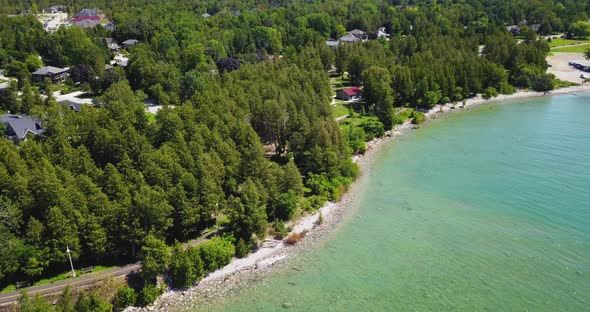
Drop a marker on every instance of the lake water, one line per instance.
(486, 210)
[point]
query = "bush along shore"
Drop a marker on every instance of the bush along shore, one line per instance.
(273, 254)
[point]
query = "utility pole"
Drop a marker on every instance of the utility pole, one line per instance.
(71, 264)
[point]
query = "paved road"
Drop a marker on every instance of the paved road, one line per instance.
(86, 280)
(81, 281)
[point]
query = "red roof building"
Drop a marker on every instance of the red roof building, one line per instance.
(348, 94)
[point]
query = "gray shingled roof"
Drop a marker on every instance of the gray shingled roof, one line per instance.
(130, 42)
(21, 125)
(349, 38)
(49, 70)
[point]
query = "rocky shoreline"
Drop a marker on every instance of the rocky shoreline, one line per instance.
(273, 256)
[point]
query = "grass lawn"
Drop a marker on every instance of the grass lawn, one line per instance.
(338, 83)
(151, 117)
(66, 89)
(560, 42)
(356, 119)
(563, 84)
(340, 110)
(576, 49)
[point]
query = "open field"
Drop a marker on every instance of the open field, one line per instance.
(581, 48)
(340, 110)
(561, 42)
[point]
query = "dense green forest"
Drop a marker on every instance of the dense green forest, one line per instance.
(247, 139)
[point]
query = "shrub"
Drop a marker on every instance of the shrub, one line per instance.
(489, 93)
(280, 230)
(182, 270)
(194, 256)
(216, 253)
(242, 248)
(295, 238)
(313, 203)
(399, 119)
(373, 128)
(287, 205)
(125, 297)
(418, 117)
(149, 294)
(543, 82)
(320, 218)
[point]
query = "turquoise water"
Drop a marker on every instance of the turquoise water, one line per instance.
(486, 210)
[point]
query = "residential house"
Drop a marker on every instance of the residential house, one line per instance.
(54, 73)
(332, 43)
(56, 9)
(129, 43)
(110, 26)
(349, 38)
(89, 12)
(515, 30)
(348, 94)
(4, 86)
(382, 33)
(535, 27)
(354, 35)
(112, 44)
(359, 34)
(87, 23)
(17, 128)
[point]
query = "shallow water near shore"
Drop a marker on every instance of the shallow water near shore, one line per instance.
(487, 210)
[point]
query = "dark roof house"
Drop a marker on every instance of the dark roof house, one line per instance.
(515, 30)
(110, 26)
(349, 38)
(17, 128)
(55, 9)
(54, 73)
(359, 34)
(89, 12)
(112, 44)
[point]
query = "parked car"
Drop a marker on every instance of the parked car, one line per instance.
(583, 76)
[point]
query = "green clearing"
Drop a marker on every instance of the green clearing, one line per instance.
(561, 42)
(340, 110)
(577, 48)
(66, 89)
(338, 83)
(151, 117)
(563, 84)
